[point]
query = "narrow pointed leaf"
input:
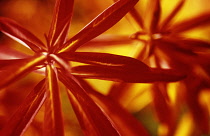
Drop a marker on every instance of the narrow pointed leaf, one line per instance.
(100, 24)
(127, 74)
(10, 53)
(204, 61)
(7, 63)
(61, 62)
(200, 114)
(192, 23)
(91, 117)
(152, 15)
(60, 21)
(195, 45)
(171, 16)
(167, 75)
(163, 109)
(16, 70)
(53, 120)
(175, 46)
(22, 118)
(118, 90)
(181, 58)
(109, 41)
(179, 61)
(156, 16)
(136, 16)
(104, 59)
(20, 34)
(124, 122)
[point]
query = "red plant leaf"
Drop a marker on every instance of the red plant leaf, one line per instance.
(91, 117)
(123, 121)
(171, 16)
(9, 53)
(174, 46)
(195, 45)
(20, 34)
(137, 17)
(7, 63)
(163, 110)
(204, 61)
(16, 70)
(53, 120)
(104, 59)
(60, 21)
(108, 41)
(181, 56)
(100, 24)
(200, 114)
(168, 75)
(155, 10)
(185, 51)
(22, 118)
(61, 62)
(152, 15)
(118, 90)
(194, 22)
(127, 74)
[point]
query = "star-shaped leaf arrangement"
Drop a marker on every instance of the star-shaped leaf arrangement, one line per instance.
(95, 112)
(165, 45)
(167, 42)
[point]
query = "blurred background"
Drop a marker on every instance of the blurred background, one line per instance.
(35, 15)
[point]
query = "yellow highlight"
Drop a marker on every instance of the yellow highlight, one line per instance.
(204, 99)
(163, 130)
(186, 126)
(69, 46)
(32, 63)
(172, 92)
(137, 97)
(23, 68)
(140, 101)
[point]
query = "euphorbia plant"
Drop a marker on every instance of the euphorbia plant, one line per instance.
(94, 111)
(167, 43)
